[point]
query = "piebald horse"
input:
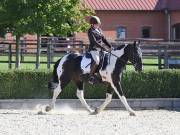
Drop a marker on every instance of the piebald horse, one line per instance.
(69, 68)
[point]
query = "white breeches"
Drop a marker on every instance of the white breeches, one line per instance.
(95, 55)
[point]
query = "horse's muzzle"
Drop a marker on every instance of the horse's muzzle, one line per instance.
(139, 67)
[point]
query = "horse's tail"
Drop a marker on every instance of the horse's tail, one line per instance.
(54, 80)
(55, 75)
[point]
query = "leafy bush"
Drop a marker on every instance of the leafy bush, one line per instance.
(33, 84)
(24, 84)
(152, 84)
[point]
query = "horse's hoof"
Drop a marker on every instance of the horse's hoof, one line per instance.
(96, 111)
(132, 114)
(48, 108)
(40, 113)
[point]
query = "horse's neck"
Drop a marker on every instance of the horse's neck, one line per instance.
(111, 58)
(118, 53)
(118, 56)
(111, 64)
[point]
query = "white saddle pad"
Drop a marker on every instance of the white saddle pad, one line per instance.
(86, 64)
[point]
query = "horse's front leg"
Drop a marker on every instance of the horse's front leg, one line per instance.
(80, 95)
(107, 100)
(118, 89)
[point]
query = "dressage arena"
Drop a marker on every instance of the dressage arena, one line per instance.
(67, 121)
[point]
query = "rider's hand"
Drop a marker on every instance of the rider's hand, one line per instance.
(105, 49)
(109, 50)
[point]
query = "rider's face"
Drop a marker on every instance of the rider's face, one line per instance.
(96, 25)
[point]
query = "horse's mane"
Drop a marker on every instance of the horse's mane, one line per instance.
(119, 47)
(129, 44)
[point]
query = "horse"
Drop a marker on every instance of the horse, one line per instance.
(69, 68)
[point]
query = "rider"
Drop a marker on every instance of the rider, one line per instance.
(98, 43)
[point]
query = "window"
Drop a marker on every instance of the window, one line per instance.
(146, 32)
(121, 32)
(176, 31)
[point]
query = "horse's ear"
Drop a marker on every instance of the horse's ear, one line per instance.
(139, 42)
(136, 43)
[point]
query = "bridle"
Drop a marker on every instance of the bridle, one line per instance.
(134, 59)
(122, 60)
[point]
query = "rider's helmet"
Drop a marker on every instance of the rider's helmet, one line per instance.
(94, 20)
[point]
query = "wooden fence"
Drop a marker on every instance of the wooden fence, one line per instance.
(50, 47)
(167, 53)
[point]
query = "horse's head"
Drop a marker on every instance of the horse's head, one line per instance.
(135, 56)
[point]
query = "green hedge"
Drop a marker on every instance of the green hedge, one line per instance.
(33, 84)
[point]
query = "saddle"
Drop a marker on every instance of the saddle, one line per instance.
(86, 61)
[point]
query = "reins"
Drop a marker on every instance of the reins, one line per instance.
(115, 56)
(112, 54)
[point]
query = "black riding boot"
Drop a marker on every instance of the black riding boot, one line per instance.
(93, 70)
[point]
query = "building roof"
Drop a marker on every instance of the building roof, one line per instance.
(133, 4)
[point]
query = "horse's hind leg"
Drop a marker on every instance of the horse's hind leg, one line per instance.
(56, 92)
(62, 83)
(109, 94)
(80, 95)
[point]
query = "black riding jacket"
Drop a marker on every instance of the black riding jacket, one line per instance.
(97, 39)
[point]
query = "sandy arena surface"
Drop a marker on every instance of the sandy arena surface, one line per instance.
(79, 122)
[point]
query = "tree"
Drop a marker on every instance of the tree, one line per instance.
(41, 17)
(12, 15)
(55, 17)
(58, 17)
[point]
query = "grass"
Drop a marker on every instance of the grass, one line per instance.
(4, 66)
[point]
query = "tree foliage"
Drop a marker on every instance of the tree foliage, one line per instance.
(41, 17)
(57, 17)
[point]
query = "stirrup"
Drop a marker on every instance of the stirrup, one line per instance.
(91, 80)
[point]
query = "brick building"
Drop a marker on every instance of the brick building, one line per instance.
(137, 18)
